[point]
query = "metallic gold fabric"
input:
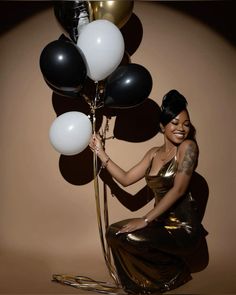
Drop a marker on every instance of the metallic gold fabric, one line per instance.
(151, 260)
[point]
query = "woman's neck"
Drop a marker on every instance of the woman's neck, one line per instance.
(168, 145)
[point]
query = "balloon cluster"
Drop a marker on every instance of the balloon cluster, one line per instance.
(94, 51)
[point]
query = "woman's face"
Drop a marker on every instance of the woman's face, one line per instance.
(178, 128)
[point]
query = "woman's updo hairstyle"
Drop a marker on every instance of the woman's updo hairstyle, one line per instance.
(173, 103)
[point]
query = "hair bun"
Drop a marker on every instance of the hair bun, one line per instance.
(174, 99)
(172, 104)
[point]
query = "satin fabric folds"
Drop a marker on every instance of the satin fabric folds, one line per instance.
(151, 260)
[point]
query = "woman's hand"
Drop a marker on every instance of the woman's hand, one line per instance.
(134, 224)
(95, 144)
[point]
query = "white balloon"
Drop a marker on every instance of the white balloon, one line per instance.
(70, 133)
(103, 47)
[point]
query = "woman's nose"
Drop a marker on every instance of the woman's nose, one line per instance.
(180, 127)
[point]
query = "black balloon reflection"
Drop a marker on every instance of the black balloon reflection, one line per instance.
(138, 124)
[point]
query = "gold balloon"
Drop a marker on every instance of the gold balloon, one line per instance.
(90, 11)
(118, 12)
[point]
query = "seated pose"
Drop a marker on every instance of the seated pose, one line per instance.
(149, 251)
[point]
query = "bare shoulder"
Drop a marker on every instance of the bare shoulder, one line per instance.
(188, 155)
(151, 153)
(188, 145)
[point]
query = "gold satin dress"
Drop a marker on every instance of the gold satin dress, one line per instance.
(151, 260)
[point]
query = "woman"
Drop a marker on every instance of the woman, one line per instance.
(148, 251)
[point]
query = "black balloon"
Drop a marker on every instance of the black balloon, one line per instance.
(128, 86)
(67, 13)
(63, 66)
(75, 93)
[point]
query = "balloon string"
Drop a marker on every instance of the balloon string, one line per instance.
(88, 284)
(105, 200)
(85, 283)
(106, 217)
(96, 189)
(105, 248)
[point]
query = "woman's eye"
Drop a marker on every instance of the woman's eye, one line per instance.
(174, 123)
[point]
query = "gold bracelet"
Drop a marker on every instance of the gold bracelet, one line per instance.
(104, 164)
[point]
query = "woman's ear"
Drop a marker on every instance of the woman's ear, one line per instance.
(162, 128)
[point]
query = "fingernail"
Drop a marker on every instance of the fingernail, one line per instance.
(117, 233)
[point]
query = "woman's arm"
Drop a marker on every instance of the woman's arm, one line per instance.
(125, 178)
(187, 157)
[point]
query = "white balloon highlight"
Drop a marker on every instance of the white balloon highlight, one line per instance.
(70, 133)
(103, 47)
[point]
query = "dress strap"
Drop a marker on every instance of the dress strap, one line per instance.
(176, 153)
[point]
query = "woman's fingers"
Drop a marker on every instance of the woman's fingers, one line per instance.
(94, 143)
(126, 228)
(132, 226)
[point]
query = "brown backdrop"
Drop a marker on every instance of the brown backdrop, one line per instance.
(47, 208)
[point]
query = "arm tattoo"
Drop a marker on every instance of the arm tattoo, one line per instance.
(189, 160)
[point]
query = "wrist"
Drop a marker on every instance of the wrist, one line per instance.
(102, 155)
(105, 159)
